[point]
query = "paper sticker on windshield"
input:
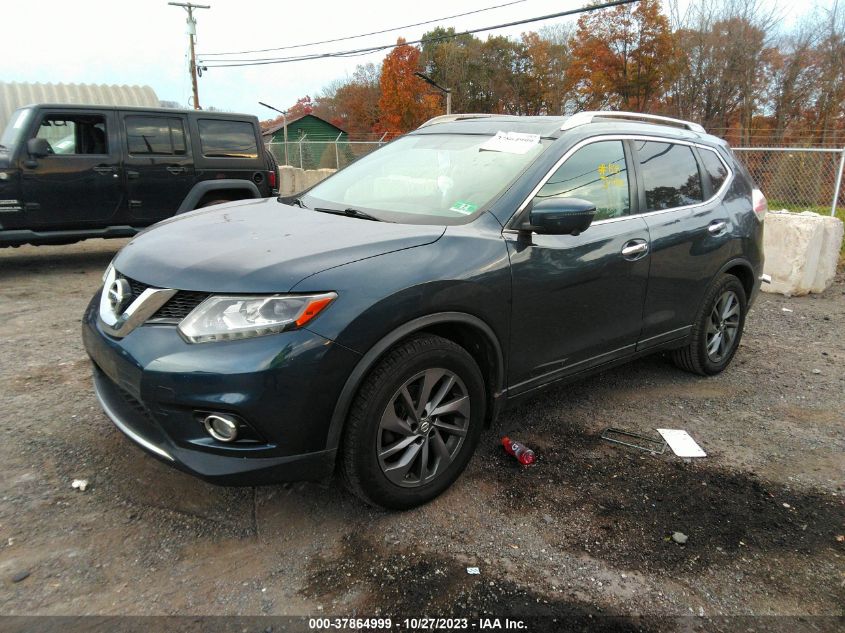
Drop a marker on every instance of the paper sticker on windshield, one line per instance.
(511, 142)
(464, 207)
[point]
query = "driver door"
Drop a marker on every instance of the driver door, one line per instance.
(79, 183)
(578, 299)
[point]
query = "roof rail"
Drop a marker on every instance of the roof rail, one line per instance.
(582, 118)
(448, 118)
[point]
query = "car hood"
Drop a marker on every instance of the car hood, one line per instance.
(260, 246)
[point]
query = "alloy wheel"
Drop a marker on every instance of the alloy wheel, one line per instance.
(423, 427)
(723, 326)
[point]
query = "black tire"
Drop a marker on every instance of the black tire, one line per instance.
(695, 357)
(362, 469)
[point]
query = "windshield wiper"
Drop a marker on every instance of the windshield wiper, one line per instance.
(298, 202)
(352, 213)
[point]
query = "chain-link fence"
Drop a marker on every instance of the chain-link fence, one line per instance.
(798, 179)
(310, 154)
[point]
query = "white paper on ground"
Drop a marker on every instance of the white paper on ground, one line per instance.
(681, 443)
(511, 142)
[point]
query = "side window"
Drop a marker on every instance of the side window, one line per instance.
(597, 172)
(714, 168)
(74, 134)
(227, 139)
(161, 136)
(670, 173)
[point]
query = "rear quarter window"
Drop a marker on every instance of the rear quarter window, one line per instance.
(227, 139)
(714, 168)
(670, 173)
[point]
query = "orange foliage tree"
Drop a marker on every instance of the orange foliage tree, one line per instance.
(622, 58)
(406, 101)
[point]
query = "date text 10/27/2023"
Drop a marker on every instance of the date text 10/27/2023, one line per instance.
(415, 624)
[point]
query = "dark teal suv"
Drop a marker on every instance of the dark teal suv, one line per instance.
(377, 322)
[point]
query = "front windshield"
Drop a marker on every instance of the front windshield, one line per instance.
(14, 129)
(424, 178)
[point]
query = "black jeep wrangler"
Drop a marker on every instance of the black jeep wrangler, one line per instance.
(71, 172)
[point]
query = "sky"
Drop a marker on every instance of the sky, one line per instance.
(144, 42)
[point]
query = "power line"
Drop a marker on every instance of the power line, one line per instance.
(353, 37)
(234, 63)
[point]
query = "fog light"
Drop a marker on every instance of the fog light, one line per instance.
(221, 427)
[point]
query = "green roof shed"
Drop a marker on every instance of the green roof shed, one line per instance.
(318, 137)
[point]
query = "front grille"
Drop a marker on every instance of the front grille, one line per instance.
(179, 306)
(136, 286)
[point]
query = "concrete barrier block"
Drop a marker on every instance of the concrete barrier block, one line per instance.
(286, 180)
(801, 250)
(293, 179)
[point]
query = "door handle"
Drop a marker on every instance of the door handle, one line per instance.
(717, 227)
(131, 174)
(634, 248)
(176, 170)
(104, 169)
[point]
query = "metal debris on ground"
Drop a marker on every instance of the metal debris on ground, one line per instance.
(681, 443)
(625, 438)
(473, 571)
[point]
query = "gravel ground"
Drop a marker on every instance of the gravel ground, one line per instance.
(587, 531)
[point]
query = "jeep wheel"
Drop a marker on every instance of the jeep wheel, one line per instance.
(717, 330)
(414, 424)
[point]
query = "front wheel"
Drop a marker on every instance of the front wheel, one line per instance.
(717, 331)
(414, 424)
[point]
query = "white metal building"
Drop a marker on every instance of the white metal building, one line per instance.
(14, 95)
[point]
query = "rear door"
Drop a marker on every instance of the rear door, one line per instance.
(690, 233)
(159, 166)
(78, 184)
(578, 299)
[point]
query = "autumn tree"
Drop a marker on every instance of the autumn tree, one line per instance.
(405, 100)
(303, 106)
(622, 57)
(352, 104)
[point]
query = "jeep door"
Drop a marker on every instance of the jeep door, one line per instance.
(578, 299)
(78, 184)
(159, 165)
(690, 233)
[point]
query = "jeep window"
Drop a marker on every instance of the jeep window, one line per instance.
(163, 136)
(15, 129)
(597, 172)
(670, 173)
(74, 134)
(714, 168)
(424, 179)
(227, 139)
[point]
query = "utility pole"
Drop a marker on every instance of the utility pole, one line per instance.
(192, 35)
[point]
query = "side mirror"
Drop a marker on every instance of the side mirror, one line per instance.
(38, 147)
(561, 216)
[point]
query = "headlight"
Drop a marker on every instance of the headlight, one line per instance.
(226, 318)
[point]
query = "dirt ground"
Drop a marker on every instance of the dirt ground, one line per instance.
(587, 531)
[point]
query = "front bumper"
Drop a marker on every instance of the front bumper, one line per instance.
(153, 385)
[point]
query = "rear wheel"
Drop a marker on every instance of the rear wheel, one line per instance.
(717, 330)
(414, 424)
